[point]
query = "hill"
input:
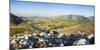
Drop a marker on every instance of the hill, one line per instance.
(63, 24)
(15, 20)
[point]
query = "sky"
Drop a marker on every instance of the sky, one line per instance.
(29, 9)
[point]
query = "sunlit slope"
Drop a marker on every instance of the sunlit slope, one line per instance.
(62, 25)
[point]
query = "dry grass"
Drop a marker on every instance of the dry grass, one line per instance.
(87, 27)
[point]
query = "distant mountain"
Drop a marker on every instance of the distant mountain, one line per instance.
(74, 17)
(15, 20)
(91, 18)
(67, 17)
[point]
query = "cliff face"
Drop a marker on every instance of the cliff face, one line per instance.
(15, 20)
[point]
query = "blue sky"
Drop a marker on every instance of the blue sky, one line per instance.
(29, 9)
